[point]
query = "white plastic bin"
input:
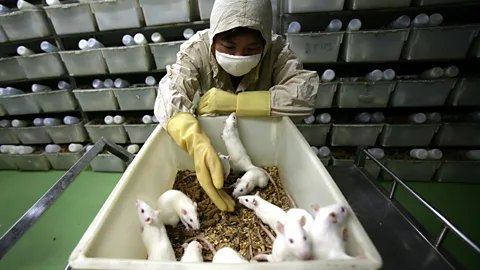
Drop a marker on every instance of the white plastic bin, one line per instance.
(72, 18)
(3, 112)
(128, 59)
(90, 62)
(373, 46)
(8, 136)
(139, 133)
(165, 53)
(3, 35)
(68, 133)
(316, 47)
(205, 7)
(315, 134)
(117, 14)
(136, 99)
(42, 65)
(25, 24)
(64, 160)
(302, 6)
(416, 93)
(458, 134)
(56, 101)
(355, 134)
(364, 94)
(411, 170)
(7, 162)
(325, 94)
(33, 135)
(157, 12)
(20, 104)
(408, 135)
(373, 4)
(10, 69)
(32, 162)
(436, 42)
(96, 100)
(107, 163)
(466, 93)
(437, 2)
(114, 133)
(113, 240)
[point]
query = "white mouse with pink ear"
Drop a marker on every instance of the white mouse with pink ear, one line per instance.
(192, 253)
(175, 206)
(225, 164)
(154, 235)
(266, 211)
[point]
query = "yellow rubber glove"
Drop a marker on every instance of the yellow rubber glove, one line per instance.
(251, 103)
(186, 132)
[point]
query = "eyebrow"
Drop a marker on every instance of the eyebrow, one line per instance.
(256, 43)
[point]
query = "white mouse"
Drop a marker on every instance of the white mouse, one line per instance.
(228, 255)
(292, 243)
(296, 214)
(225, 164)
(192, 253)
(154, 234)
(266, 211)
(175, 206)
(327, 232)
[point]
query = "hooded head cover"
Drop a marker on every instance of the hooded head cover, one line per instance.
(254, 14)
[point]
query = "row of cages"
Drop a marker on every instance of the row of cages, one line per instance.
(360, 94)
(93, 16)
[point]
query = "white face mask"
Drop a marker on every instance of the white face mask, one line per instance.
(237, 65)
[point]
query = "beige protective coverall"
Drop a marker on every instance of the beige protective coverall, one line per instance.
(293, 89)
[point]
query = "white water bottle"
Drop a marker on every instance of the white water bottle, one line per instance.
(421, 20)
(434, 117)
(24, 150)
(363, 117)
(5, 123)
(133, 148)
(74, 147)
(38, 122)
(294, 27)
(324, 152)
(433, 73)
(401, 22)
(150, 80)
(51, 121)
(53, 2)
(118, 119)
(328, 75)
(63, 85)
(188, 33)
(19, 123)
(83, 44)
(417, 118)
(473, 154)
(435, 19)
(119, 83)
(128, 40)
(48, 47)
(377, 153)
(451, 71)
(4, 9)
(474, 116)
(323, 118)
(147, 119)
(354, 25)
(24, 51)
(40, 88)
(52, 148)
(154, 119)
(8, 91)
(315, 150)
(108, 120)
(434, 154)
(4, 149)
(157, 38)
(108, 83)
(309, 120)
(140, 39)
(94, 44)
(97, 84)
(388, 74)
(378, 117)
(418, 153)
(375, 75)
(24, 5)
(71, 120)
(334, 26)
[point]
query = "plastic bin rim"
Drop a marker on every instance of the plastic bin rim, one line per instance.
(93, 90)
(359, 125)
(441, 27)
(314, 125)
(416, 160)
(30, 155)
(38, 55)
(124, 47)
(66, 5)
(52, 92)
(65, 153)
(159, 44)
(413, 125)
(81, 123)
(128, 124)
(377, 31)
(131, 88)
(89, 124)
(18, 95)
(319, 33)
(427, 81)
(102, 2)
(368, 82)
(81, 51)
(18, 11)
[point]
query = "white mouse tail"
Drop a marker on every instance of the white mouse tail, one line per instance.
(263, 257)
(271, 180)
(292, 202)
(269, 234)
(208, 243)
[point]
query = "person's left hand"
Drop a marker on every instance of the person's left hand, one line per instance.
(217, 101)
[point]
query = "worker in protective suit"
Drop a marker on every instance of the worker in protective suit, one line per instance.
(239, 66)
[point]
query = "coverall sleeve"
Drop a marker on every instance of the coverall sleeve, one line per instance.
(177, 88)
(294, 90)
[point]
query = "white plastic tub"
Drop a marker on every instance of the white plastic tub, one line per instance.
(33, 135)
(65, 160)
(316, 47)
(7, 162)
(157, 12)
(114, 133)
(3, 112)
(165, 53)
(128, 59)
(417, 93)
(72, 18)
(136, 99)
(374, 4)
(465, 93)
(25, 24)
(107, 163)
(139, 133)
(205, 7)
(3, 35)
(88, 62)
(56, 101)
(113, 240)
(42, 65)
(325, 94)
(302, 6)
(117, 14)
(364, 94)
(8, 136)
(20, 104)
(68, 133)
(96, 99)
(10, 69)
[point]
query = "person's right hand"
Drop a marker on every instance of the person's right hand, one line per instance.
(186, 132)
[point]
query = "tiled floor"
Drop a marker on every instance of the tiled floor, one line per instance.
(48, 244)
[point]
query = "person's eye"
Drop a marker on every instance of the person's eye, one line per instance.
(229, 47)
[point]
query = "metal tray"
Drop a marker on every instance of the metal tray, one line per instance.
(7, 162)
(165, 53)
(31, 162)
(10, 69)
(20, 104)
(355, 135)
(8, 136)
(135, 99)
(458, 134)
(370, 165)
(56, 101)
(64, 161)
(459, 171)
(373, 45)
(114, 133)
(89, 62)
(325, 94)
(364, 94)
(139, 133)
(412, 170)
(465, 93)
(374, 4)
(108, 163)
(42, 65)
(315, 134)
(436, 42)
(128, 59)
(68, 133)
(96, 99)
(419, 93)
(412, 135)
(33, 135)
(316, 47)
